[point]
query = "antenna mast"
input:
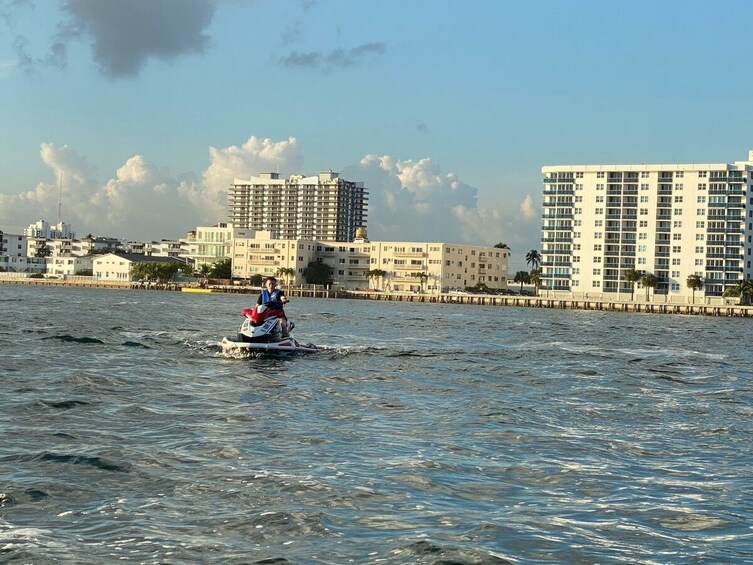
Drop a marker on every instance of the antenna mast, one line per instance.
(60, 198)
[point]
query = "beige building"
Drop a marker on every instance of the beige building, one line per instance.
(406, 266)
(322, 207)
(672, 221)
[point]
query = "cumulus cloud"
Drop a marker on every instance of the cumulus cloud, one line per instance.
(125, 35)
(337, 58)
(409, 200)
(414, 201)
(253, 157)
(141, 200)
(528, 209)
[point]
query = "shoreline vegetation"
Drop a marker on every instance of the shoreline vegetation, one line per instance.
(726, 309)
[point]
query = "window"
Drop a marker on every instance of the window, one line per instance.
(701, 199)
(702, 174)
(641, 249)
(644, 199)
(644, 212)
(644, 174)
(676, 249)
(597, 272)
(597, 247)
(678, 198)
(677, 212)
(600, 175)
(676, 236)
(700, 224)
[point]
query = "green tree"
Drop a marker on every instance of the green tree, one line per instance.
(742, 290)
(422, 278)
(318, 273)
(256, 280)
(649, 281)
(522, 277)
(533, 258)
(287, 274)
(204, 270)
(222, 269)
(501, 245)
(632, 276)
(160, 272)
(535, 279)
(694, 282)
(376, 275)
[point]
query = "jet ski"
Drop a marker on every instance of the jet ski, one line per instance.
(262, 333)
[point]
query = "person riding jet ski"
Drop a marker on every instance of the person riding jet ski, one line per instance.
(274, 299)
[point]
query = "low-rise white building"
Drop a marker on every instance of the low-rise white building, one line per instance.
(69, 265)
(117, 266)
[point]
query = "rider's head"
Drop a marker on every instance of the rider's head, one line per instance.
(271, 282)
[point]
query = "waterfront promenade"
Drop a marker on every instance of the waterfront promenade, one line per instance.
(719, 308)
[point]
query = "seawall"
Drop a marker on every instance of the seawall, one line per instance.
(726, 310)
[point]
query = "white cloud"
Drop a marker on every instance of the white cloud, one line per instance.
(409, 200)
(414, 201)
(528, 209)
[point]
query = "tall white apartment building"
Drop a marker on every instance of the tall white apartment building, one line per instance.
(323, 207)
(45, 230)
(668, 220)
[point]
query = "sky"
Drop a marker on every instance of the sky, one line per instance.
(131, 118)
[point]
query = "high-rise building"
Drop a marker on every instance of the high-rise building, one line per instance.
(323, 207)
(600, 222)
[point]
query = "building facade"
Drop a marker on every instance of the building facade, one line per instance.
(672, 221)
(402, 266)
(322, 207)
(211, 244)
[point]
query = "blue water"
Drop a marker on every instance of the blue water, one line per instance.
(421, 433)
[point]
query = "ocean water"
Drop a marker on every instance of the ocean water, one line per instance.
(420, 433)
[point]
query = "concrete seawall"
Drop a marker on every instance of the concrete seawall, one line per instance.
(726, 310)
(564, 304)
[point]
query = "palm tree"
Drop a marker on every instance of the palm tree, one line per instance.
(632, 276)
(649, 280)
(533, 258)
(741, 289)
(694, 282)
(501, 245)
(286, 274)
(522, 277)
(535, 279)
(423, 277)
(375, 275)
(204, 270)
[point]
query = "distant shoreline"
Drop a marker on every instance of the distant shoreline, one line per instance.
(724, 310)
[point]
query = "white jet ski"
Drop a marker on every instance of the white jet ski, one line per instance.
(262, 333)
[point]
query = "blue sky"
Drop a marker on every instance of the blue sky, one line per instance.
(445, 109)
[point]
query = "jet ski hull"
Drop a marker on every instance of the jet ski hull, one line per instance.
(287, 345)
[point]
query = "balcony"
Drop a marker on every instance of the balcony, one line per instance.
(417, 254)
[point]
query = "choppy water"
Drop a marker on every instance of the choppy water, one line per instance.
(421, 433)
